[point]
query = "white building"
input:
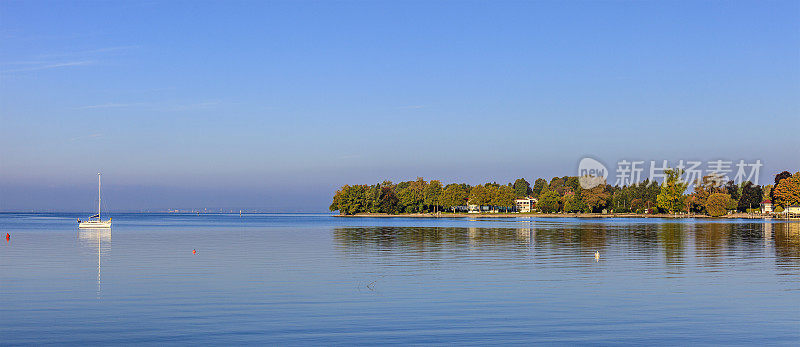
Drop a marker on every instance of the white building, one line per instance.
(525, 204)
(766, 206)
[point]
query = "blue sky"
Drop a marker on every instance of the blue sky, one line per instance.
(272, 105)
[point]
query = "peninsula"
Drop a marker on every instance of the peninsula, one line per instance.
(565, 197)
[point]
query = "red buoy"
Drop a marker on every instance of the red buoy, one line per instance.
(194, 251)
(8, 237)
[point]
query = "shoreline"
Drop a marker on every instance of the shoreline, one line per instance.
(562, 215)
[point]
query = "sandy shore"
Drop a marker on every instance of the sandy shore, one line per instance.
(555, 215)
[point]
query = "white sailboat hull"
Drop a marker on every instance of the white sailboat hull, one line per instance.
(93, 224)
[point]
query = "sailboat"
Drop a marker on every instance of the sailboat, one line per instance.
(95, 221)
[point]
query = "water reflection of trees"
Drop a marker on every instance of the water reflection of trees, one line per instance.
(672, 238)
(712, 241)
(786, 238)
(573, 237)
(422, 239)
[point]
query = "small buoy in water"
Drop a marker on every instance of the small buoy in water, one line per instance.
(8, 237)
(596, 256)
(194, 251)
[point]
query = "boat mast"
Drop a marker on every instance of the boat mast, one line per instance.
(98, 196)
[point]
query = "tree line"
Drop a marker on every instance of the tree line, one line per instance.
(565, 194)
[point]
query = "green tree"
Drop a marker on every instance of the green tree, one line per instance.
(503, 196)
(480, 195)
(556, 182)
(432, 194)
(548, 201)
(492, 192)
(621, 201)
(574, 183)
(574, 203)
(651, 191)
(671, 195)
(454, 195)
(350, 200)
(751, 196)
(411, 195)
(373, 197)
(732, 189)
(408, 201)
(767, 190)
(522, 188)
(338, 200)
(538, 185)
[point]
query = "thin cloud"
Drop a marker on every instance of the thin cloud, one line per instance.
(88, 52)
(163, 106)
(37, 66)
(111, 105)
(47, 61)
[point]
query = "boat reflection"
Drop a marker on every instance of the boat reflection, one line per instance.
(97, 241)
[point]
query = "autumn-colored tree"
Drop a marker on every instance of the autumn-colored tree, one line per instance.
(596, 198)
(718, 204)
(388, 200)
(778, 178)
(692, 204)
(557, 185)
(702, 190)
(638, 205)
(787, 191)
(671, 196)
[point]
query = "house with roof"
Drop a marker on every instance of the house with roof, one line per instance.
(766, 207)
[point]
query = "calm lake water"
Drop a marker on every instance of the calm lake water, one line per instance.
(320, 280)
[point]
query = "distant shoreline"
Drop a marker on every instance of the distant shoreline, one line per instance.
(561, 215)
